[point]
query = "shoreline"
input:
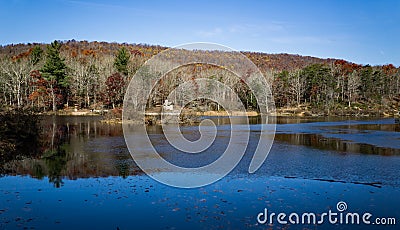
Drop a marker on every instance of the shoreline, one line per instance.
(241, 114)
(192, 118)
(110, 117)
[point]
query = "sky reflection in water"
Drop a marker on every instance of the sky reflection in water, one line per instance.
(95, 184)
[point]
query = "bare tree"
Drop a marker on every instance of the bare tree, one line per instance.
(353, 84)
(297, 85)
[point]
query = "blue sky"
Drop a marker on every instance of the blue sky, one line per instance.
(365, 32)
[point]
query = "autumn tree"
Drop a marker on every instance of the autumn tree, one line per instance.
(55, 72)
(347, 81)
(40, 97)
(282, 95)
(114, 89)
(31, 76)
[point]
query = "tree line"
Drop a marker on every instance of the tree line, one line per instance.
(339, 85)
(95, 75)
(51, 78)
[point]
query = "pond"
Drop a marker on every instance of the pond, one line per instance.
(85, 178)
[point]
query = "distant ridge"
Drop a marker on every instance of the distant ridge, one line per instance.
(265, 61)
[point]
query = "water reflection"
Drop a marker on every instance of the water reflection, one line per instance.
(307, 170)
(19, 136)
(73, 147)
(83, 147)
(379, 137)
(342, 146)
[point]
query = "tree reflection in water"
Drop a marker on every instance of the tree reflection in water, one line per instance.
(55, 137)
(55, 160)
(66, 147)
(19, 136)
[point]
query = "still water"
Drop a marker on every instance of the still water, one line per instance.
(85, 178)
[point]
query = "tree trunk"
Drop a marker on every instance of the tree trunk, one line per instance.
(53, 95)
(53, 133)
(349, 101)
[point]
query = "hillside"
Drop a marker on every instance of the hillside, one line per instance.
(94, 75)
(277, 62)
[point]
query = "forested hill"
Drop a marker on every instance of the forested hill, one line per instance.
(94, 75)
(73, 48)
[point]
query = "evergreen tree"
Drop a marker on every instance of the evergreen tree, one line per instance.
(366, 82)
(36, 55)
(320, 83)
(55, 72)
(121, 61)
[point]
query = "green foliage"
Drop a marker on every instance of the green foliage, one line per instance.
(55, 72)
(36, 55)
(54, 68)
(319, 81)
(56, 161)
(122, 60)
(372, 83)
(284, 76)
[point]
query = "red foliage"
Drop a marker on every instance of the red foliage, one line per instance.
(346, 67)
(389, 69)
(43, 89)
(22, 55)
(115, 86)
(74, 53)
(41, 86)
(137, 53)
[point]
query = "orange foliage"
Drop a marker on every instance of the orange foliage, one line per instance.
(89, 53)
(22, 55)
(137, 53)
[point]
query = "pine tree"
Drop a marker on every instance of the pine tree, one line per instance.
(36, 55)
(55, 71)
(121, 61)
